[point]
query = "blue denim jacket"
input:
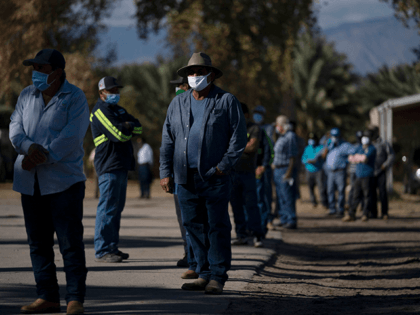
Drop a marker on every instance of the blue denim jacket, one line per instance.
(222, 138)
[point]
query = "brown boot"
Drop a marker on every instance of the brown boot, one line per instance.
(214, 287)
(189, 274)
(197, 285)
(75, 307)
(41, 306)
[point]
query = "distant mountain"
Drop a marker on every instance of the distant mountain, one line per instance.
(371, 44)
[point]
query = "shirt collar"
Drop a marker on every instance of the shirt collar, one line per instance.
(64, 88)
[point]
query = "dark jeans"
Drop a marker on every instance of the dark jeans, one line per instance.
(265, 211)
(316, 178)
(145, 179)
(359, 198)
(187, 244)
(61, 213)
(364, 186)
(245, 205)
(204, 207)
(380, 183)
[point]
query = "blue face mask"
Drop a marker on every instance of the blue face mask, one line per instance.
(311, 142)
(112, 98)
(258, 118)
(40, 80)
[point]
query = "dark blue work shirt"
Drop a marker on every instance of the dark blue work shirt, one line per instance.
(222, 136)
(197, 112)
(366, 169)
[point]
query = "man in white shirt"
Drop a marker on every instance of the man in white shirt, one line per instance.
(145, 161)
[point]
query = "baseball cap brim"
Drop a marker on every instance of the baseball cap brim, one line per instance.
(30, 62)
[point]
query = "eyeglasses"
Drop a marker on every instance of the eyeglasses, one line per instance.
(198, 72)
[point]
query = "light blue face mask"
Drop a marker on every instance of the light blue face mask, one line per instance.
(40, 80)
(112, 98)
(258, 118)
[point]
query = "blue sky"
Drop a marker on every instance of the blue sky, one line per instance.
(130, 49)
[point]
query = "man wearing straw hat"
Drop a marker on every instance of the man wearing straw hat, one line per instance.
(203, 137)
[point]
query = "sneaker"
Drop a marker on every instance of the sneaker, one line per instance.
(348, 218)
(258, 242)
(41, 306)
(109, 258)
(331, 213)
(364, 218)
(213, 287)
(385, 217)
(240, 241)
(189, 274)
(122, 255)
(75, 308)
(339, 214)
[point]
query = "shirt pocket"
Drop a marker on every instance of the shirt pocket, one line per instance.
(59, 116)
(217, 117)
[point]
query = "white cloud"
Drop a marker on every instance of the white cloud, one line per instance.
(332, 13)
(122, 14)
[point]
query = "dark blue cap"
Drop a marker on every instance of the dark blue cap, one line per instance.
(47, 57)
(335, 132)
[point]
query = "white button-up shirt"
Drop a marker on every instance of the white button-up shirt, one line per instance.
(59, 127)
(145, 155)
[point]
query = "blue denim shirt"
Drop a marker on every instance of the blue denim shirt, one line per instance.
(366, 169)
(60, 127)
(337, 157)
(222, 137)
(285, 148)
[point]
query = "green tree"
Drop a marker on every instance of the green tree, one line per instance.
(251, 41)
(70, 26)
(388, 83)
(324, 85)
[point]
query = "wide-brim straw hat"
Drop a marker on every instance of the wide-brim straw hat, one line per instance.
(199, 59)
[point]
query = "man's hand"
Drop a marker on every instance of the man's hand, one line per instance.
(128, 125)
(219, 172)
(259, 171)
(167, 184)
(27, 164)
(37, 154)
(383, 167)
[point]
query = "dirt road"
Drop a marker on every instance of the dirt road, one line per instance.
(331, 267)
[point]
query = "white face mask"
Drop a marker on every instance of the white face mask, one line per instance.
(365, 140)
(198, 83)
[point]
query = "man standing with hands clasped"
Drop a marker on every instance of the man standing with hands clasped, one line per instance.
(112, 130)
(203, 137)
(47, 130)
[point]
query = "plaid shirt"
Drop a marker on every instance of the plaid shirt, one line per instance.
(286, 147)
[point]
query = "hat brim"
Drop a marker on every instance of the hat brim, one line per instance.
(113, 86)
(183, 72)
(30, 62)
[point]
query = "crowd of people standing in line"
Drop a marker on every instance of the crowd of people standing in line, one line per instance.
(214, 151)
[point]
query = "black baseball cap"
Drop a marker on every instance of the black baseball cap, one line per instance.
(180, 80)
(108, 83)
(47, 57)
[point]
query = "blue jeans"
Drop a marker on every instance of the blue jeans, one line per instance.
(286, 196)
(61, 213)
(113, 188)
(244, 199)
(204, 207)
(337, 181)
